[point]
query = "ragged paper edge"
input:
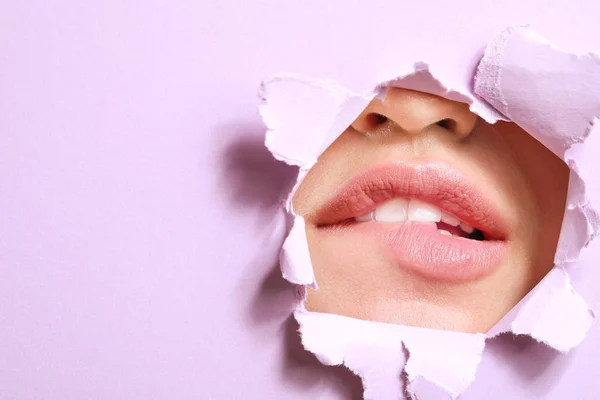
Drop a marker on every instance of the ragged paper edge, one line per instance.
(326, 119)
(390, 359)
(298, 140)
(292, 115)
(553, 313)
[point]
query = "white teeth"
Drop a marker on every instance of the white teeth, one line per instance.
(450, 219)
(395, 210)
(402, 210)
(466, 228)
(364, 218)
(423, 212)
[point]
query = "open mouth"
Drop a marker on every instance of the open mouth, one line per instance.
(400, 210)
(431, 219)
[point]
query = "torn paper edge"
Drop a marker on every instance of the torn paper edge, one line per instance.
(538, 314)
(295, 259)
(339, 108)
(395, 352)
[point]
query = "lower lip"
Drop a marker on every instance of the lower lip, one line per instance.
(419, 248)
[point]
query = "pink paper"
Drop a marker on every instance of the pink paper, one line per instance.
(141, 215)
(549, 93)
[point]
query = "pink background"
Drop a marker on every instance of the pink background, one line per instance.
(139, 212)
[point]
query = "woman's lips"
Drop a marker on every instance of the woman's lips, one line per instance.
(417, 246)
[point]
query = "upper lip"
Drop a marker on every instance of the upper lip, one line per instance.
(435, 183)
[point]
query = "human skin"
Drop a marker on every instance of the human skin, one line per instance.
(523, 180)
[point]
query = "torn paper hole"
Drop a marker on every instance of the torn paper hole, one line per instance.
(518, 74)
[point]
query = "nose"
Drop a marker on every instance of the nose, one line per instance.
(413, 112)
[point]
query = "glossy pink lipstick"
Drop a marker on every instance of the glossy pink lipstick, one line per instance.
(417, 246)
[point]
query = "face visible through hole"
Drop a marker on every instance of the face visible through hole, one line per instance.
(422, 214)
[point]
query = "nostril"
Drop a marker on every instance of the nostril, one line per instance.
(461, 124)
(369, 121)
(376, 119)
(448, 124)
